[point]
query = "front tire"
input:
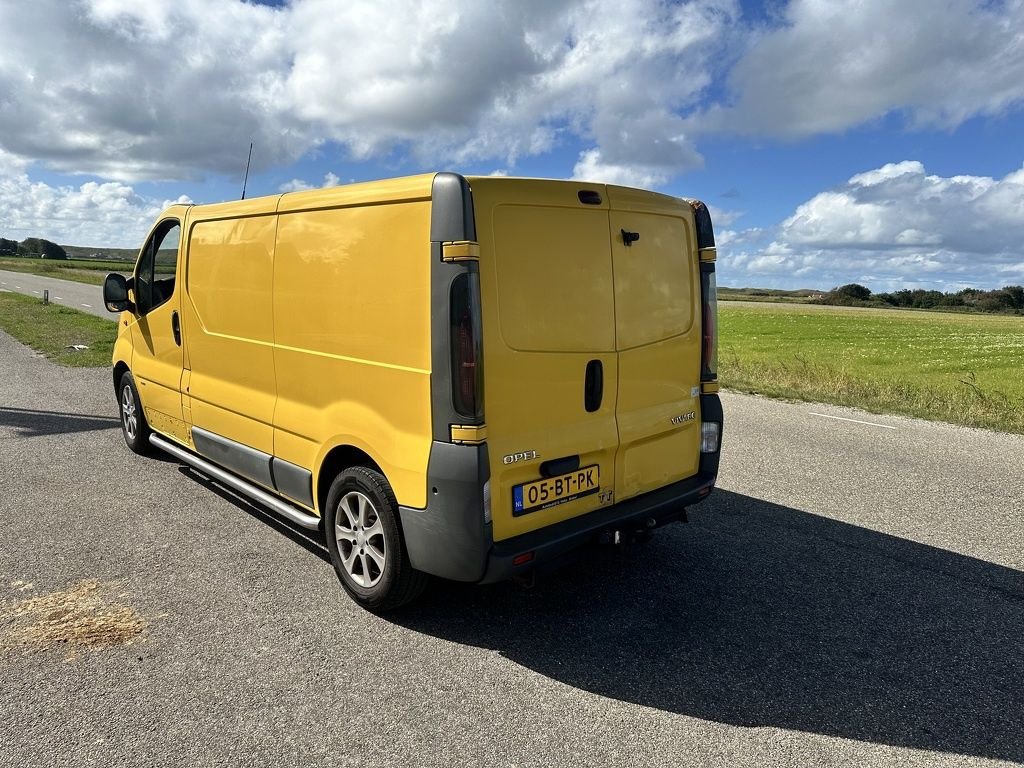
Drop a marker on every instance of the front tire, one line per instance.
(364, 538)
(134, 427)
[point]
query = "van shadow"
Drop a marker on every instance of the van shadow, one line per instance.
(28, 422)
(757, 614)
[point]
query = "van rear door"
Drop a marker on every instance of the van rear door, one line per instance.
(658, 339)
(550, 366)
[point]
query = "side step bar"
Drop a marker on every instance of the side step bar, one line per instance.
(236, 483)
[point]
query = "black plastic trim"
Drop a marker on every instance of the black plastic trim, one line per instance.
(665, 505)
(451, 212)
(593, 386)
(450, 538)
(293, 481)
(702, 220)
(451, 220)
(562, 466)
(120, 302)
(239, 458)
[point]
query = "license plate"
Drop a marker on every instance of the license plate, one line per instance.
(551, 491)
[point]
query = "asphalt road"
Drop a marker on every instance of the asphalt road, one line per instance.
(80, 296)
(852, 595)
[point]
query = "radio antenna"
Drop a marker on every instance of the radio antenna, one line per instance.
(246, 180)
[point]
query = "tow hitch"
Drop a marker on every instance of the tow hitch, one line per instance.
(639, 531)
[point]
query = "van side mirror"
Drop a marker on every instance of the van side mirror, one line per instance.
(115, 293)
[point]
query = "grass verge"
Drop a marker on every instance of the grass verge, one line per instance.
(51, 329)
(963, 369)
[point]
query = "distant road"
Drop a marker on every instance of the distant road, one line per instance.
(80, 296)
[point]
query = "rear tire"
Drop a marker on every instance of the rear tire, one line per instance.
(364, 538)
(134, 427)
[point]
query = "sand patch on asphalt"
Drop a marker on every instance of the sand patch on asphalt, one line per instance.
(77, 619)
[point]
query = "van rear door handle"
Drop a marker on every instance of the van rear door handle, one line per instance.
(593, 386)
(176, 327)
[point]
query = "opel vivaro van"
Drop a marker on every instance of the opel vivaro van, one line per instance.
(464, 377)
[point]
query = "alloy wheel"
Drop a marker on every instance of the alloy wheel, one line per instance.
(360, 536)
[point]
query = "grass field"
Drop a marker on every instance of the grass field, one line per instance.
(80, 270)
(51, 329)
(964, 369)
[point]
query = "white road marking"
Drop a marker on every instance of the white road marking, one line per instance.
(35, 291)
(853, 421)
(87, 305)
(59, 298)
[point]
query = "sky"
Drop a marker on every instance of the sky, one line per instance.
(835, 141)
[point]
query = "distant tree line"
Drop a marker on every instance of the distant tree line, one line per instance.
(1009, 299)
(32, 247)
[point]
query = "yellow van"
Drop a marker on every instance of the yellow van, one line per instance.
(464, 377)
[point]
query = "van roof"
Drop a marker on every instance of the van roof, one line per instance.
(384, 190)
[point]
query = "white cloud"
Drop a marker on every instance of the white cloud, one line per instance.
(893, 227)
(110, 214)
(834, 64)
(298, 185)
(295, 185)
(591, 167)
(722, 218)
(900, 205)
(11, 165)
(471, 81)
(163, 90)
(131, 90)
(168, 90)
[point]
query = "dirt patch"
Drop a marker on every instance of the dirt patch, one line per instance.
(80, 618)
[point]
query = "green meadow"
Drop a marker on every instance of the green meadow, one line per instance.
(80, 270)
(961, 368)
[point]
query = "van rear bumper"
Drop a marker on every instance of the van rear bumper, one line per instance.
(664, 505)
(452, 542)
(450, 538)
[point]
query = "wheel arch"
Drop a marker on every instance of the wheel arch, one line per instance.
(120, 369)
(338, 459)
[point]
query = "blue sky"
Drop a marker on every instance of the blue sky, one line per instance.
(872, 141)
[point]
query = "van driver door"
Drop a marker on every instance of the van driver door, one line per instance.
(156, 333)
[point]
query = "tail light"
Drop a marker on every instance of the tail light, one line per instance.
(709, 318)
(466, 346)
(710, 435)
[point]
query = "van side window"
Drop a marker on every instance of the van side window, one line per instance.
(154, 279)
